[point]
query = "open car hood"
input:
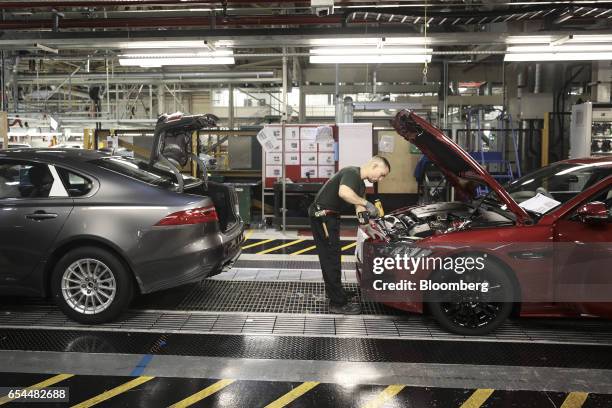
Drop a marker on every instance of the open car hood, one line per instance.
(461, 170)
(172, 139)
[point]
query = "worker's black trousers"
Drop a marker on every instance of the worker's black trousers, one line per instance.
(329, 252)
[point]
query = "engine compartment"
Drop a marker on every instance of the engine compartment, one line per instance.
(440, 218)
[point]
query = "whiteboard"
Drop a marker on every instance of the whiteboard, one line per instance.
(354, 144)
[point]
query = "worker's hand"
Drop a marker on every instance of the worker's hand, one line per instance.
(372, 210)
(374, 233)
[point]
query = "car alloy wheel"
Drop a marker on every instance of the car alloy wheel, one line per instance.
(88, 286)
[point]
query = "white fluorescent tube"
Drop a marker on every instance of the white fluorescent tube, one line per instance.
(547, 39)
(157, 62)
(575, 48)
(370, 59)
(178, 54)
(370, 55)
(370, 51)
(161, 44)
(560, 56)
(334, 42)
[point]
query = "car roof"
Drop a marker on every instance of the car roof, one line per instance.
(590, 160)
(68, 155)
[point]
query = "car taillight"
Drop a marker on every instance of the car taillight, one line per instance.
(193, 216)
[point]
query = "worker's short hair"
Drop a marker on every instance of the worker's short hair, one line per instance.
(382, 160)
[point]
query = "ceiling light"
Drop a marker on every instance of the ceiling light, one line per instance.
(364, 55)
(562, 40)
(161, 44)
(177, 54)
(158, 62)
(365, 41)
(560, 48)
(559, 56)
(563, 17)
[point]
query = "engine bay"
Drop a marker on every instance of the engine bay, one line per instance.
(441, 218)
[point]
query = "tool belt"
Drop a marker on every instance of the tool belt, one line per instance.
(316, 211)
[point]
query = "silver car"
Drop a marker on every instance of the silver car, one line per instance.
(92, 230)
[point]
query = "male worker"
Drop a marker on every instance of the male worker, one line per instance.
(346, 187)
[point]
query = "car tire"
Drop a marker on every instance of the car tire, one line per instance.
(474, 318)
(91, 285)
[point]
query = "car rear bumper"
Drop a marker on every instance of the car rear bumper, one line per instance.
(195, 261)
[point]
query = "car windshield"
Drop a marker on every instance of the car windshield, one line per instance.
(141, 170)
(559, 181)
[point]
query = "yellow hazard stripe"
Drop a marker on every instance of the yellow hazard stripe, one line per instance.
(114, 392)
(301, 251)
(293, 395)
(43, 384)
(265, 241)
(200, 395)
(352, 244)
(575, 399)
(297, 241)
(477, 398)
(382, 398)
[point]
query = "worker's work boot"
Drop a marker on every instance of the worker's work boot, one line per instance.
(347, 308)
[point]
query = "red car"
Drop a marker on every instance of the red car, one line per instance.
(540, 246)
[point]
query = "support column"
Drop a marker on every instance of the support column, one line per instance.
(283, 122)
(160, 99)
(230, 107)
(302, 112)
(4, 129)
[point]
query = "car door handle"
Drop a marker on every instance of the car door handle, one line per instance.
(41, 216)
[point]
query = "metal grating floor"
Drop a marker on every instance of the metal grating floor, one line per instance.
(268, 297)
(286, 264)
(407, 327)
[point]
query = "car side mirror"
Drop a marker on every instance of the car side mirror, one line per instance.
(593, 213)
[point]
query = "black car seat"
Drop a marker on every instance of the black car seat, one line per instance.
(41, 180)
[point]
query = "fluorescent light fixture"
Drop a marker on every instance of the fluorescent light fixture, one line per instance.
(369, 55)
(162, 44)
(562, 40)
(559, 56)
(159, 62)
(158, 59)
(47, 49)
(177, 54)
(365, 41)
(547, 39)
(560, 48)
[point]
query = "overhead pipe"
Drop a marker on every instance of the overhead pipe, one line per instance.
(155, 75)
(155, 22)
(107, 3)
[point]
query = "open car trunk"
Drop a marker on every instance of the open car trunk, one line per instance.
(224, 199)
(173, 146)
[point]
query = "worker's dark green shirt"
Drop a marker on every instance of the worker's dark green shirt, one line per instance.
(328, 197)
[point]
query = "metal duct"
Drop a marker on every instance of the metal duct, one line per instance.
(537, 87)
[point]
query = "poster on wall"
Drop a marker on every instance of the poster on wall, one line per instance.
(309, 159)
(274, 171)
(292, 158)
(292, 133)
(308, 133)
(309, 172)
(326, 159)
(326, 171)
(274, 159)
(292, 145)
(308, 146)
(326, 147)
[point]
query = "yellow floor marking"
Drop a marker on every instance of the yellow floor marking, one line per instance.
(477, 398)
(114, 392)
(265, 241)
(293, 394)
(200, 395)
(352, 244)
(575, 399)
(297, 241)
(43, 384)
(382, 398)
(248, 233)
(301, 251)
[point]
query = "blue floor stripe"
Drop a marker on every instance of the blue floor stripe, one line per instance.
(142, 364)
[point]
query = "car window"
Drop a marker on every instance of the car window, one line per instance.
(141, 170)
(561, 181)
(23, 179)
(75, 184)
